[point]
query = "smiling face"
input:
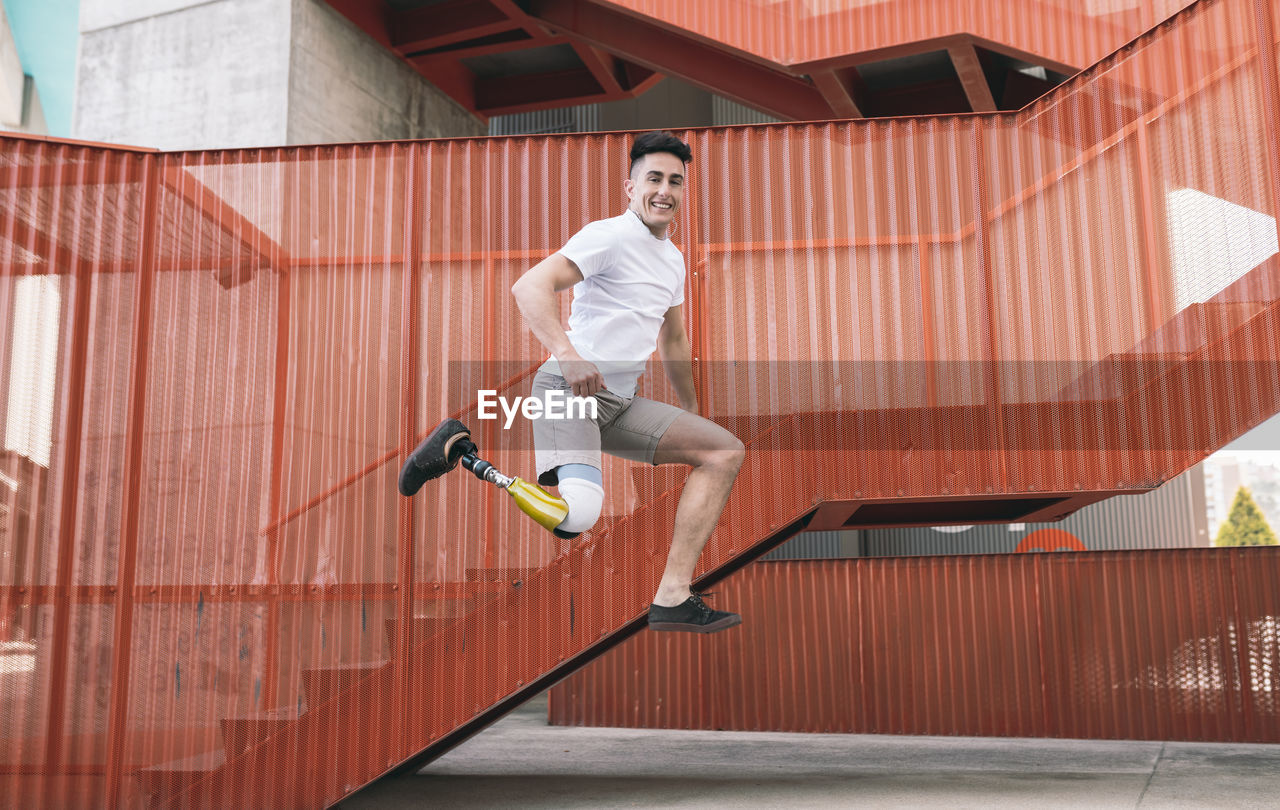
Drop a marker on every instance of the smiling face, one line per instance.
(655, 189)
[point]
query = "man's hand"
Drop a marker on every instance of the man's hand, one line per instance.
(582, 375)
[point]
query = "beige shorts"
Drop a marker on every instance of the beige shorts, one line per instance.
(626, 427)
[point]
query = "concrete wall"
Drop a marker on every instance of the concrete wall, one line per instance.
(182, 74)
(344, 86)
(187, 74)
(20, 108)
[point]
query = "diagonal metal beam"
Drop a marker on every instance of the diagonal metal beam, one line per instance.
(19, 232)
(969, 69)
(506, 42)
(837, 92)
(601, 64)
(231, 222)
(701, 64)
(514, 9)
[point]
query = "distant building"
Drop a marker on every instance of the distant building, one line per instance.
(20, 108)
(1221, 480)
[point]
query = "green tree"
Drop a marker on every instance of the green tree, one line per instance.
(1246, 525)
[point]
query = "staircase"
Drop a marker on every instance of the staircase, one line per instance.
(920, 321)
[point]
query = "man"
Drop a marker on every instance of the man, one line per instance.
(628, 280)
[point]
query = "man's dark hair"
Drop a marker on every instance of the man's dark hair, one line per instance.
(659, 141)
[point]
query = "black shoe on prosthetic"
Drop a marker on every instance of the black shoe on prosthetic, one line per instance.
(439, 453)
(691, 616)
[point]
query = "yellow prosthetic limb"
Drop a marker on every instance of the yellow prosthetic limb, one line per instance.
(546, 509)
(448, 445)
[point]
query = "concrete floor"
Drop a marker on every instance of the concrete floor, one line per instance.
(521, 762)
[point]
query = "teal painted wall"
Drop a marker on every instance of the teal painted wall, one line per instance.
(46, 32)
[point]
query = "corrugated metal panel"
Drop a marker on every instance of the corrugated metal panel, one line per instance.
(582, 118)
(224, 596)
(817, 546)
(727, 112)
(586, 118)
(1066, 31)
(1158, 645)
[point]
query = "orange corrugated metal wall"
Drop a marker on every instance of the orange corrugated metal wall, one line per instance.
(1160, 645)
(212, 594)
(1067, 32)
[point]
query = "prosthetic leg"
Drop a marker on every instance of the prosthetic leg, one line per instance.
(450, 444)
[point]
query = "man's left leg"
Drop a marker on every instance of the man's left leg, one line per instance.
(716, 456)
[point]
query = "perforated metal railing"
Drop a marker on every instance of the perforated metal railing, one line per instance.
(1080, 645)
(813, 32)
(213, 363)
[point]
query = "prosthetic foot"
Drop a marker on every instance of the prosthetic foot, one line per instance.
(448, 445)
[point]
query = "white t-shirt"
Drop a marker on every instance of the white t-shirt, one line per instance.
(630, 278)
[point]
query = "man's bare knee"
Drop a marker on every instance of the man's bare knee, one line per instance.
(727, 457)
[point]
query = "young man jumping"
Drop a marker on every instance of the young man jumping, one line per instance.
(628, 282)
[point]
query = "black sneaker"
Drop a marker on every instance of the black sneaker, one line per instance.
(691, 616)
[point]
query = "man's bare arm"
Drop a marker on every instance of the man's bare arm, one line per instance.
(677, 357)
(535, 293)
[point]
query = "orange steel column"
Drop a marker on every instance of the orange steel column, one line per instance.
(409, 371)
(68, 513)
(1149, 249)
(488, 360)
(1266, 27)
(126, 572)
(489, 430)
(699, 259)
(982, 201)
(279, 406)
(929, 339)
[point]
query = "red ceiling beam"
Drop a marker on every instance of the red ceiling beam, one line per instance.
(485, 48)
(450, 76)
(435, 26)
(661, 50)
(372, 18)
(1024, 56)
(520, 17)
(511, 94)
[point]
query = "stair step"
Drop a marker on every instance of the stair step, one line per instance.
(421, 628)
(323, 683)
(241, 733)
(507, 575)
(171, 778)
